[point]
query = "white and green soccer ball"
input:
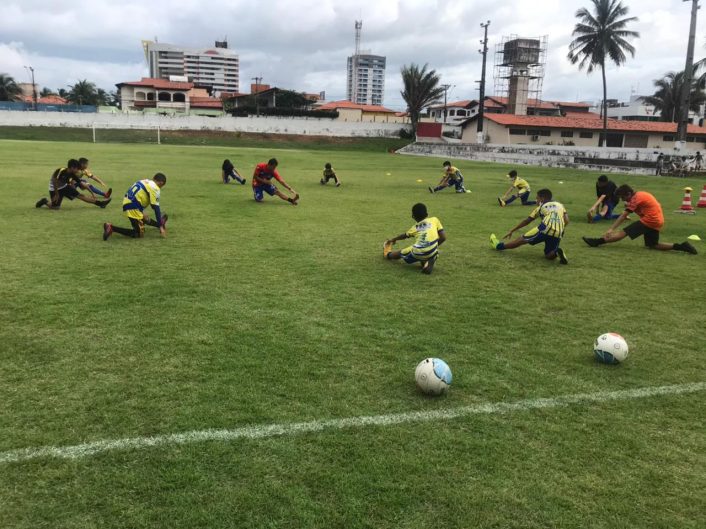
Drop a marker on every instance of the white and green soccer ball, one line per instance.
(433, 376)
(610, 348)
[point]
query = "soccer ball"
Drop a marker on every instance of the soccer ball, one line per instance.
(610, 348)
(433, 376)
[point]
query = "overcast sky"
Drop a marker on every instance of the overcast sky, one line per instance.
(303, 44)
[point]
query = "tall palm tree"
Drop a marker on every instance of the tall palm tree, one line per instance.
(668, 96)
(421, 89)
(47, 92)
(83, 93)
(599, 37)
(9, 89)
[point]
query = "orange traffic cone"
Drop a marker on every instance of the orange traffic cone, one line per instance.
(702, 199)
(686, 206)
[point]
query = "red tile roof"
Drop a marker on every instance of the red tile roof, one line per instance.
(462, 104)
(46, 100)
(334, 105)
(556, 122)
(592, 115)
(569, 104)
(533, 103)
(158, 84)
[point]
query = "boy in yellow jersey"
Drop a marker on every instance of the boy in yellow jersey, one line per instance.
(550, 230)
(451, 177)
(429, 235)
(141, 194)
(523, 191)
(85, 173)
(329, 174)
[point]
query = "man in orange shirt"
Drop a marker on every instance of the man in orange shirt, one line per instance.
(645, 206)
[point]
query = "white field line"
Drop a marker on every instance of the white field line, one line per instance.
(271, 430)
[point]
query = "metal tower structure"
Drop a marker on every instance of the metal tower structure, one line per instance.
(356, 55)
(519, 71)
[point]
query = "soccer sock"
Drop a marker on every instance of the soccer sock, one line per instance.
(96, 190)
(152, 222)
(124, 231)
(500, 246)
(510, 200)
(597, 218)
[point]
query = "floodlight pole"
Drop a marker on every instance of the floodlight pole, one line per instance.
(688, 78)
(445, 87)
(481, 95)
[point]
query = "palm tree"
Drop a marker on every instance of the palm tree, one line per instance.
(47, 92)
(668, 96)
(9, 89)
(601, 36)
(62, 92)
(421, 89)
(83, 93)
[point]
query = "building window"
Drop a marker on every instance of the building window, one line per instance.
(667, 138)
(539, 132)
(586, 135)
(518, 132)
(567, 133)
(164, 96)
(179, 98)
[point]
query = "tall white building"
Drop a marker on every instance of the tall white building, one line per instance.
(366, 79)
(216, 67)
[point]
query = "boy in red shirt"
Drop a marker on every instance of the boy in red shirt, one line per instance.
(262, 182)
(651, 221)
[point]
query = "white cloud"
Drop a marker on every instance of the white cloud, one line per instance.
(303, 44)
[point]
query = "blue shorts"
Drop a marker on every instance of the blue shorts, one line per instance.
(409, 257)
(551, 244)
(610, 207)
(259, 190)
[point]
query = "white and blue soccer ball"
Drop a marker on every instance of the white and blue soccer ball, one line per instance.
(433, 376)
(610, 348)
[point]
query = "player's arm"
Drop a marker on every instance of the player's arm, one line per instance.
(256, 176)
(522, 224)
(285, 184)
(506, 193)
(158, 218)
(442, 237)
(94, 177)
(400, 237)
(618, 221)
(566, 218)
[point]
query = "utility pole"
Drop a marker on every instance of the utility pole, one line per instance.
(34, 87)
(481, 96)
(688, 78)
(257, 80)
(446, 89)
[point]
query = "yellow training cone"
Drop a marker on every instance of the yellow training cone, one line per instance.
(694, 237)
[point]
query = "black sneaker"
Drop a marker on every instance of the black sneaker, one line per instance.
(41, 202)
(103, 204)
(428, 267)
(688, 248)
(562, 256)
(107, 230)
(593, 243)
(431, 190)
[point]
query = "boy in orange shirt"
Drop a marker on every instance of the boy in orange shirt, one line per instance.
(651, 221)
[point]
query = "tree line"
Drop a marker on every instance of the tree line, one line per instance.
(82, 93)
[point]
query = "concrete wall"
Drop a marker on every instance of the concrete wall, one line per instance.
(606, 160)
(261, 124)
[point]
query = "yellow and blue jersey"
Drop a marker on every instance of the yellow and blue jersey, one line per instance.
(141, 194)
(552, 218)
(522, 185)
(453, 172)
(426, 233)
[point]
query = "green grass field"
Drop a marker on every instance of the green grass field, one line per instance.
(250, 315)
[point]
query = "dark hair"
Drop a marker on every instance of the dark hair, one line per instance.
(624, 191)
(273, 162)
(73, 164)
(160, 177)
(545, 193)
(327, 166)
(512, 173)
(603, 178)
(227, 166)
(419, 212)
(83, 161)
(447, 163)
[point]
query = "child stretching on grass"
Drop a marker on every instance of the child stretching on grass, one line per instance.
(429, 235)
(523, 191)
(329, 174)
(141, 194)
(550, 230)
(228, 171)
(451, 177)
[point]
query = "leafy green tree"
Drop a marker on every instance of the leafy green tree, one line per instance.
(9, 89)
(599, 37)
(83, 93)
(62, 92)
(47, 92)
(421, 89)
(668, 95)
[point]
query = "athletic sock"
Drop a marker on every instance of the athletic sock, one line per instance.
(500, 246)
(96, 190)
(123, 231)
(152, 222)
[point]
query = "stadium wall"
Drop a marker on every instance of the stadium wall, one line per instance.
(606, 160)
(253, 124)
